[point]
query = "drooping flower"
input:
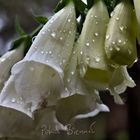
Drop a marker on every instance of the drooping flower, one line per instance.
(6, 63)
(93, 63)
(36, 81)
(81, 100)
(120, 44)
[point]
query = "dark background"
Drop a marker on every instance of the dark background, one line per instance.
(123, 122)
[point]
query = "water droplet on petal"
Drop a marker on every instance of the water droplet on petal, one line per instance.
(50, 52)
(96, 34)
(72, 73)
(117, 18)
(97, 59)
(87, 44)
(120, 41)
(113, 43)
(42, 52)
(70, 32)
(53, 34)
(96, 23)
(68, 80)
(129, 51)
(74, 52)
(93, 40)
(2, 59)
(121, 28)
(81, 52)
(69, 20)
(31, 69)
(112, 13)
(13, 100)
(91, 16)
(107, 37)
(61, 38)
(117, 48)
(43, 32)
(111, 49)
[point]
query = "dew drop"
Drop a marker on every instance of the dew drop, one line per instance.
(97, 59)
(2, 59)
(118, 49)
(81, 52)
(50, 52)
(120, 41)
(107, 37)
(53, 34)
(68, 80)
(91, 16)
(111, 49)
(113, 43)
(95, 16)
(42, 52)
(87, 44)
(33, 38)
(61, 38)
(13, 100)
(72, 73)
(96, 34)
(121, 28)
(69, 32)
(74, 52)
(96, 23)
(129, 51)
(93, 40)
(31, 69)
(64, 61)
(117, 18)
(69, 20)
(43, 32)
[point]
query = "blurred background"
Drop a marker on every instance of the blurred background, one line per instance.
(123, 121)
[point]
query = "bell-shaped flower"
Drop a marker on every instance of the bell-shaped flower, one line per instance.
(6, 63)
(137, 10)
(120, 44)
(93, 63)
(81, 101)
(37, 79)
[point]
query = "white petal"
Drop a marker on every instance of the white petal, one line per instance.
(54, 43)
(31, 85)
(6, 63)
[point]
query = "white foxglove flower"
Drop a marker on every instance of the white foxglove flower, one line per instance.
(137, 10)
(7, 61)
(37, 80)
(92, 59)
(81, 100)
(120, 44)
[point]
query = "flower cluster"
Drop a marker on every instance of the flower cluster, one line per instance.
(61, 75)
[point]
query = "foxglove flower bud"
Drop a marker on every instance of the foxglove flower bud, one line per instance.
(36, 81)
(120, 44)
(137, 10)
(92, 58)
(7, 61)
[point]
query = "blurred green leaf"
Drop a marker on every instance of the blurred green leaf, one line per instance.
(41, 19)
(16, 43)
(18, 27)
